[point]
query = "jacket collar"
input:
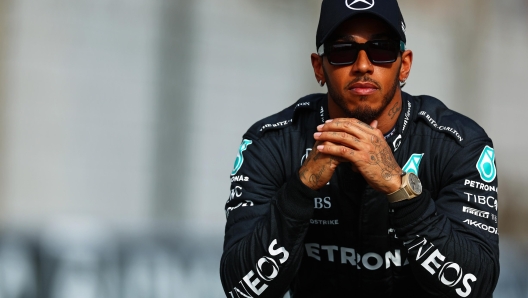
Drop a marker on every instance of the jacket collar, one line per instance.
(404, 123)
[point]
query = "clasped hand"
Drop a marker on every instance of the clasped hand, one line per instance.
(350, 140)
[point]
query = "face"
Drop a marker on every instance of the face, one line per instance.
(362, 90)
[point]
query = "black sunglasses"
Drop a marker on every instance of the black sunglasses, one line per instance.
(378, 51)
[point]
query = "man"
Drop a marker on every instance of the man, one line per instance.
(365, 191)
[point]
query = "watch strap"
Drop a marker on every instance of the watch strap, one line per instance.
(398, 195)
(401, 194)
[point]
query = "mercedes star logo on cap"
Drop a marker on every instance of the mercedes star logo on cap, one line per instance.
(363, 4)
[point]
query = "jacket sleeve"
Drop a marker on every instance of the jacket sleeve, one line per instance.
(451, 232)
(268, 216)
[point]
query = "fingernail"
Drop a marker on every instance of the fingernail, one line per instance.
(329, 120)
(317, 134)
(320, 127)
(320, 147)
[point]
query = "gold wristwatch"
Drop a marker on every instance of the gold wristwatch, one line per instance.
(411, 187)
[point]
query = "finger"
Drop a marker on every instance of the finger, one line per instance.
(344, 124)
(352, 121)
(341, 121)
(315, 155)
(374, 124)
(337, 159)
(341, 138)
(351, 126)
(340, 152)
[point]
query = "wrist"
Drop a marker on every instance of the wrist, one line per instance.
(396, 184)
(411, 187)
(303, 174)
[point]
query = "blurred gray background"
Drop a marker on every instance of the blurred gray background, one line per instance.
(121, 120)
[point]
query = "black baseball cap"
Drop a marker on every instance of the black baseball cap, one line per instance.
(335, 12)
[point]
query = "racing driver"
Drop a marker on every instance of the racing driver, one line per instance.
(365, 191)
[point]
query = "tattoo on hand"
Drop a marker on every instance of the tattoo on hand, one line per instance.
(387, 159)
(316, 156)
(386, 175)
(314, 178)
(302, 172)
(373, 160)
(375, 140)
(364, 124)
(383, 157)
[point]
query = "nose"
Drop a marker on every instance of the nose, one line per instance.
(362, 64)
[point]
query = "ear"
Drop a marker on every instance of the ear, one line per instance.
(317, 64)
(405, 69)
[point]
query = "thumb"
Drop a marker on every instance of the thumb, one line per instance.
(374, 124)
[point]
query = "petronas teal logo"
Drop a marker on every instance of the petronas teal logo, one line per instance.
(486, 165)
(240, 156)
(413, 164)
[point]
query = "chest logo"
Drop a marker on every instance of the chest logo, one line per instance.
(240, 157)
(413, 164)
(486, 165)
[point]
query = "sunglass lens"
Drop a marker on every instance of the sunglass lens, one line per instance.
(343, 54)
(383, 52)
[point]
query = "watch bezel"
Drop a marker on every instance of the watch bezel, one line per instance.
(414, 183)
(411, 187)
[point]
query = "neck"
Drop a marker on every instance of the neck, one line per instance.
(390, 114)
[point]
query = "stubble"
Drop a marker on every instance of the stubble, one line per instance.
(365, 113)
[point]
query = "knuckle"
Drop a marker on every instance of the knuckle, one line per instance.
(366, 155)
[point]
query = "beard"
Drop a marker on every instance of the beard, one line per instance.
(364, 113)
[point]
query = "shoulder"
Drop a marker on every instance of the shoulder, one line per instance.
(436, 116)
(295, 115)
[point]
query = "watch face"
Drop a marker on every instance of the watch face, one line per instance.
(415, 183)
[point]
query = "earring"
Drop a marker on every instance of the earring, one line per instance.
(321, 83)
(403, 82)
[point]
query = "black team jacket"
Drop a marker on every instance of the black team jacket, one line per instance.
(346, 240)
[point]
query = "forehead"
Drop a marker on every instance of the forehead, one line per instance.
(364, 26)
